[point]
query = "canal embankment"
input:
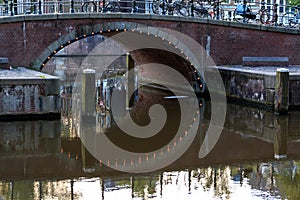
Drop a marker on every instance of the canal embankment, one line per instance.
(27, 93)
(263, 86)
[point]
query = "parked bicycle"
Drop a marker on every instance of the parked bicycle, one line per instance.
(268, 15)
(104, 6)
(170, 8)
(244, 13)
(291, 19)
(216, 10)
(200, 10)
(89, 6)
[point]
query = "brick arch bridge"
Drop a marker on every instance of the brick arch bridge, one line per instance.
(31, 40)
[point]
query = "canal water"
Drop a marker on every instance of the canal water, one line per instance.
(257, 156)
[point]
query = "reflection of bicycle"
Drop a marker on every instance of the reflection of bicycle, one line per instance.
(171, 8)
(291, 19)
(244, 13)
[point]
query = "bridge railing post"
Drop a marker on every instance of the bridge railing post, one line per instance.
(34, 8)
(134, 6)
(40, 7)
(244, 10)
(60, 7)
(192, 8)
(72, 6)
(103, 6)
(218, 9)
(163, 7)
(275, 7)
(11, 8)
(5, 7)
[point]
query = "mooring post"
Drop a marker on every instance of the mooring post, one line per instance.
(130, 82)
(88, 119)
(281, 103)
(88, 92)
(280, 137)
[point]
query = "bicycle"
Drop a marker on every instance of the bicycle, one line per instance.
(244, 13)
(104, 6)
(89, 6)
(217, 10)
(291, 19)
(199, 10)
(171, 8)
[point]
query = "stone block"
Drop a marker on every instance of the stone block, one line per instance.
(52, 87)
(50, 104)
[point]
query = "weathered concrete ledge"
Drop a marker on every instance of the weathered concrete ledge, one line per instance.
(26, 93)
(257, 85)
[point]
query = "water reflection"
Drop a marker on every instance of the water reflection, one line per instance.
(45, 159)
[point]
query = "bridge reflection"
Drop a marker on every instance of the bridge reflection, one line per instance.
(49, 157)
(52, 150)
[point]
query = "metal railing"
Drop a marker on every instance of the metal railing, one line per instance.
(260, 12)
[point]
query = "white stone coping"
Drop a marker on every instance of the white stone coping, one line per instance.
(23, 73)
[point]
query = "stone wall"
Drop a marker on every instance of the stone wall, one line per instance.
(243, 84)
(27, 95)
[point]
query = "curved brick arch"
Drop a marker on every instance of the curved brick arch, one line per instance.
(103, 28)
(115, 27)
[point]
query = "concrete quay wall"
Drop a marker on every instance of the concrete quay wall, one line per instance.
(27, 92)
(256, 85)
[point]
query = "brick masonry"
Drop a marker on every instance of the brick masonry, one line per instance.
(24, 39)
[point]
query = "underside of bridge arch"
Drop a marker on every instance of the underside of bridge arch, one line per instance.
(145, 57)
(168, 50)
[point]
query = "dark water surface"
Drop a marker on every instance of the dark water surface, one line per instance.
(256, 157)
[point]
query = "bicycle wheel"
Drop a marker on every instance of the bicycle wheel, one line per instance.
(89, 7)
(288, 20)
(203, 13)
(157, 7)
(264, 17)
(113, 7)
(221, 14)
(180, 9)
(239, 17)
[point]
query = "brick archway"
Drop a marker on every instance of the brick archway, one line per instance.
(113, 28)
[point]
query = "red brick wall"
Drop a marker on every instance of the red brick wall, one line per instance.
(228, 43)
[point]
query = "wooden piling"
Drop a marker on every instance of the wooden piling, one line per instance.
(281, 103)
(88, 120)
(88, 102)
(130, 82)
(280, 137)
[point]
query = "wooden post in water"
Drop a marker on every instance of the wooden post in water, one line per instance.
(130, 82)
(88, 120)
(280, 137)
(281, 103)
(88, 102)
